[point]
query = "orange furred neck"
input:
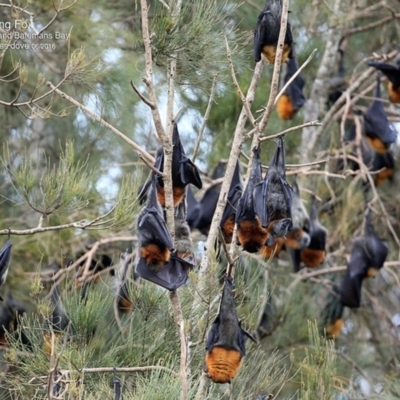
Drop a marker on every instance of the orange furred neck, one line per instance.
(312, 258)
(284, 107)
(222, 365)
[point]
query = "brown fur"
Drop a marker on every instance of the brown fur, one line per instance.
(222, 365)
(312, 258)
(377, 145)
(293, 238)
(394, 94)
(333, 330)
(269, 53)
(3, 340)
(177, 193)
(284, 107)
(125, 305)
(371, 273)
(154, 255)
(383, 175)
(227, 229)
(272, 251)
(251, 232)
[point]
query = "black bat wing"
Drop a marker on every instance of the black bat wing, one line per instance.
(156, 228)
(376, 123)
(193, 208)
(5, 256)
(295, 89)
(213, 335)
(375, 249)
(392, 72)
(296, 259)
(189, 173)
(232, 202)
(350, 287)
(173, 275)
(260, 35)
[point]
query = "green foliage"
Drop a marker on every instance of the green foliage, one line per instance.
(48, 188)
(320, 367)
(193, 37)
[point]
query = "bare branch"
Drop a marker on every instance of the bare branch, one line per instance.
(236, 83)
(205, 118)
(96, 117)
(294, 128)
(310, 57)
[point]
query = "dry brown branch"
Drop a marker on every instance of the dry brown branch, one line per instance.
(166, 142)
(371, 25)
(292, 129)
(143, 98)
(96, 117)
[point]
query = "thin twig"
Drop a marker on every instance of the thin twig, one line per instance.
(294, 128)
(310, 57)
(96, 117)
(205, 118)
(236, 83)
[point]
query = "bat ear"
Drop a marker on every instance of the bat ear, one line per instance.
(279, 228)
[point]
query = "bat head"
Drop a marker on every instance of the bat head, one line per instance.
(279, 228)
(171, 276)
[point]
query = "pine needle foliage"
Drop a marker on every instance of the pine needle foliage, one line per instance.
(320, 366)
(192, 37)
(50, 189)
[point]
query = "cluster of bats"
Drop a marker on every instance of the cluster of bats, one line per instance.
(268, 213)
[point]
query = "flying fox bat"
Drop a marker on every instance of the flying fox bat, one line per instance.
(5, 256)
(293, 98)
(154, 239)
(250, 233)
(274, 197)
(392, 72)
(166, 267)
(378, 131)
(368, 255)
(229, 216)
(183, 171)
(314, 254)
(208, 203)
(267, 31)
(332, 314)
(225, 345)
